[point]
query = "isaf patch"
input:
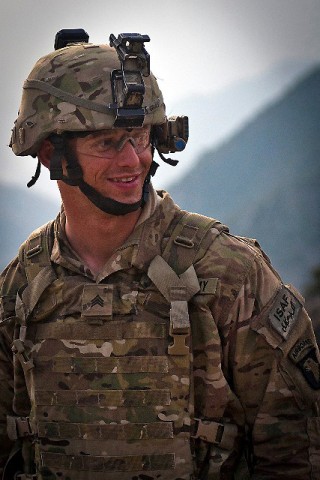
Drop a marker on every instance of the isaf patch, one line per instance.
(304, 355)
(284, 312)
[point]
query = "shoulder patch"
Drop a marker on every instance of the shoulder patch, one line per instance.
(284, 312)
(304, 356)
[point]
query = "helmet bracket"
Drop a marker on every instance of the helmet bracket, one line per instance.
(127, 84)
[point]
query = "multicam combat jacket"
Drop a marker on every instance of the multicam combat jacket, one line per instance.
(97, 383)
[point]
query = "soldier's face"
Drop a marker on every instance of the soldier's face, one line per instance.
(115, 162)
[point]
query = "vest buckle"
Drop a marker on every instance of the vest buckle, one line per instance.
(222, 435)
(18, 427)
(18, 349)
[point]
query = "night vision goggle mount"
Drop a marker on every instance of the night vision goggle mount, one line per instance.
(127, 84)
(128, 89)
(128, 92)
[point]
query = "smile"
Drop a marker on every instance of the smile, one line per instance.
(124, 180)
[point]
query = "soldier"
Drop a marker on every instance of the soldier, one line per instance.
(139, 341)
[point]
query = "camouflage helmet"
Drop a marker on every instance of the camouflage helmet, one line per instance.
(76, 88)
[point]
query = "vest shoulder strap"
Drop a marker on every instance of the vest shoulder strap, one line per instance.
(187, 243)
(190, 240)
(35, 252)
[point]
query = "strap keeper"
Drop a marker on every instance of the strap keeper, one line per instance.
(221, 435)
(184, 241)
(34, 251)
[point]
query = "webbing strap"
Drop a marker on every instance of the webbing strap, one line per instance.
(174, 275)
(119, 463)
(67, 97)
(108, 109)
(187, 240)
(168, 282)
(178, 291)
(112, 365)
(103, 398)
(128, 431)
(35, 252)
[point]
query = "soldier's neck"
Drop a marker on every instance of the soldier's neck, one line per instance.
(94, 235)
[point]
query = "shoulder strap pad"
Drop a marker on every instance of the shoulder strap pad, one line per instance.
(35, 252)
(189, 240)
(187, 243)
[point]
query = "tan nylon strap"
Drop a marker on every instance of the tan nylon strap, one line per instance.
(165, 278)
(108, 109)
(82, 330)
(178, 291)
(68, 97)
(190, 279)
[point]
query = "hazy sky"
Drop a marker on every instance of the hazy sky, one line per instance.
(197, 46)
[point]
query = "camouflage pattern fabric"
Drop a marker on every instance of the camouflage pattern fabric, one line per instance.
(103, 384)
(57, 96)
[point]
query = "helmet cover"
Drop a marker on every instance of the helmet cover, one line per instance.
(70, 90)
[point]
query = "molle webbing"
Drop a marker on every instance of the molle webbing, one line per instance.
(130, 432)
(121, 463)
(124, 410)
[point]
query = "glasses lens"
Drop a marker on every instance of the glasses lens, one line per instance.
(105, 144)
(141, 141)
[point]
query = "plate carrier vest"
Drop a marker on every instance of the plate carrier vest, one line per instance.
(110, 383)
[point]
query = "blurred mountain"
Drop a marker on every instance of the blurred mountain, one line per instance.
(216, 116)
(264, 181)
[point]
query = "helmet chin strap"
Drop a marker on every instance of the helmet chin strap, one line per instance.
(107, 204)
(75, 178)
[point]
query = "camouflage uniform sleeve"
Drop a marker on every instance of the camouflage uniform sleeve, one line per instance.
(274, 363)
(10, 280)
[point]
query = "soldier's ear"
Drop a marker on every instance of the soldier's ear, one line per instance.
(45, 152)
